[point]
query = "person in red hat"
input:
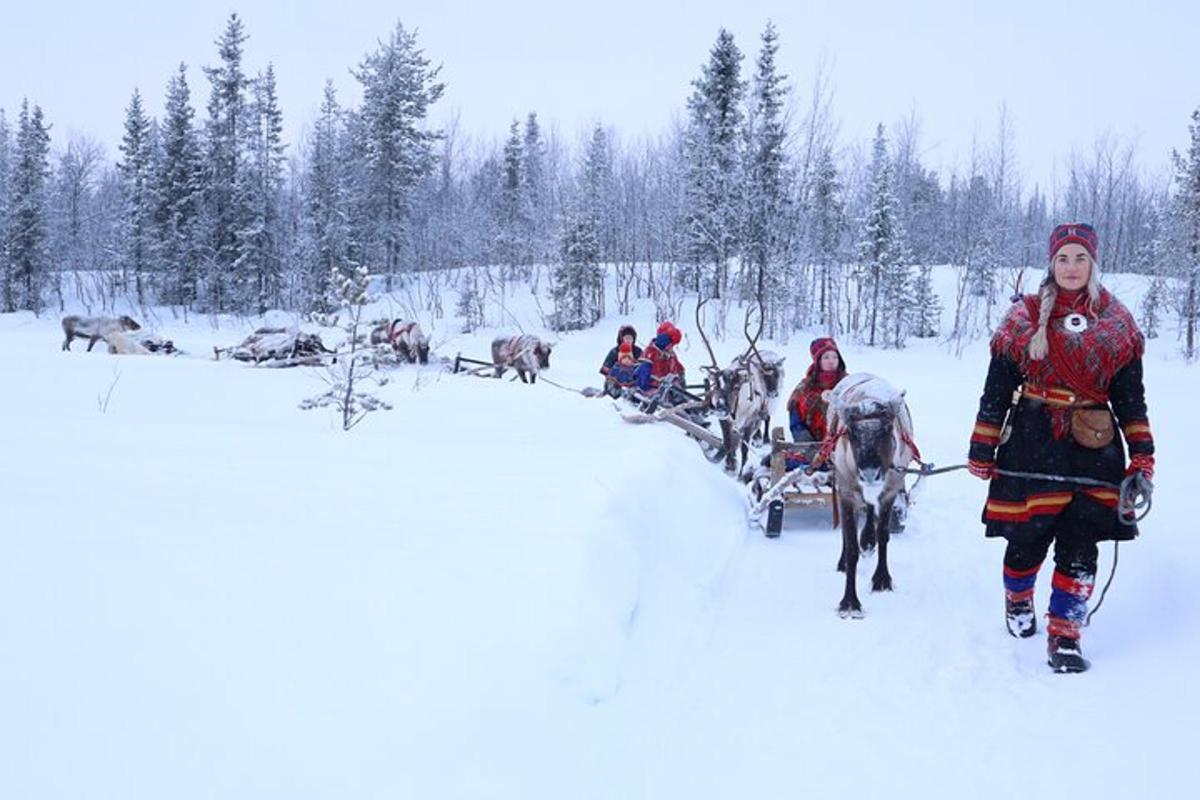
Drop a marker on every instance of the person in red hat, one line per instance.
(1065, 363)
(658, 361)
(806, 406)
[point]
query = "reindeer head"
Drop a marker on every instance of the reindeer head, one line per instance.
(422, 346)
(772, 369)
(724, 385)
(128, 324)
(870, 430)
(543, 354)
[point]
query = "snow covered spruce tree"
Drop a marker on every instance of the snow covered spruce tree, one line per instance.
(1150, 316)
(827, 226)
(138, 256)
(328, 214)
(399, 86)
(883, 258)
(348, 287)
(1186, 234)
(578, 280)
(28, 262)
(975, 231)
(925, 312)
(227, 210)
(180, 195)
(535, 193)
(512, 243)
(768, 211)
(7, 300)
(261, 240)
(713, 163)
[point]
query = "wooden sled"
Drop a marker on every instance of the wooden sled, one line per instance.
(777, 489)
(681, 415)
(483, 369)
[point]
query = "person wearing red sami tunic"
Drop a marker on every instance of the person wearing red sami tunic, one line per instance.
(658, 361)
(807, 406)
(1074, 354)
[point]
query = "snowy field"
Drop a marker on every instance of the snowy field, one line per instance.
(505, 591)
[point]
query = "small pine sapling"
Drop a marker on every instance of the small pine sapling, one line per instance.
(345, 377)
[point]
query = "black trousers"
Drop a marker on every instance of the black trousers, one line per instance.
(1075, 549)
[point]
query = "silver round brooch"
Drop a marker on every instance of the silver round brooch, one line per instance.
(1075, 323)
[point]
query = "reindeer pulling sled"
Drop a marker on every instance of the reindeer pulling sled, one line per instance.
(737, 397)
(526, 354)
(865, 459)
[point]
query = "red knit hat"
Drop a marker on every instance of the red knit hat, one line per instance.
(820, 347)
(625, 349)
(673, 333)
(1075, 233)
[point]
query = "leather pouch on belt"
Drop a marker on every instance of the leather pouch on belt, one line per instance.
(1092, 427)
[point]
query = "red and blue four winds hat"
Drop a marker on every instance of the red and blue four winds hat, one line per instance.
(1079, 233)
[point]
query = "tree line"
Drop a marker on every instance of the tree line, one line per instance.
(748, 198)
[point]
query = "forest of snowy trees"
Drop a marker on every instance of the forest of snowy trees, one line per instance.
(750, 198)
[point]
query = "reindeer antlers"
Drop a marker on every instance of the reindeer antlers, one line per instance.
(753, 340)
(700, 327)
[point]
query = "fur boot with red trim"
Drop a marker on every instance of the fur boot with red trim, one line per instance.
(1068, 611)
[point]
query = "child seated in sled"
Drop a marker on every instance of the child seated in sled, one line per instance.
(659, 372)
(620, 365)
(623, 372)
(807, 406)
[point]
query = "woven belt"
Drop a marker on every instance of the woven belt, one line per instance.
(1057, 396)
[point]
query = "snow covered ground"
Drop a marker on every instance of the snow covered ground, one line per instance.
(504, 591)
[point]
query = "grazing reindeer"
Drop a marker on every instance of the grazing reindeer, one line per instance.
(739, 395)
(94, 328)
(526, 354)
(406, 338)
(870, 440)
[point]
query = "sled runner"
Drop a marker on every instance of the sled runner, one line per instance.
(473, 366)
(688, 413)
(776, 488)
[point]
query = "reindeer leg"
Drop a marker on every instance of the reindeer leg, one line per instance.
(67, 343)
(866, 540)
(92, 343)
(850, 607)
(881, 581)
(731, 443)
(841, 565)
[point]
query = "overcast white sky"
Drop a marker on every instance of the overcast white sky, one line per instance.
(1067, 70)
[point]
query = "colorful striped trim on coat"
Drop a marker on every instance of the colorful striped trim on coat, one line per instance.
(1106, 497)
(986, 433)
(1138, 431)
(1049, 503)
